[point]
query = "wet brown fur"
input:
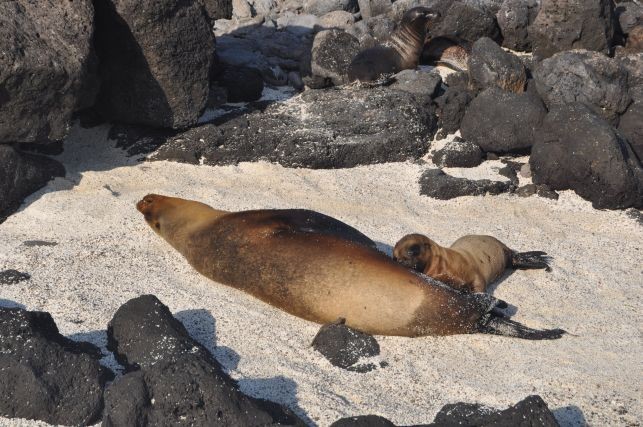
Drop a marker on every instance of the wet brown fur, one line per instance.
(470, 264)
(320, 272)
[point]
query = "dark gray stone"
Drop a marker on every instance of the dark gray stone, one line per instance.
(577, 149)
(503, 122)
(450, 109)
(463, 154)
(242, 84)
(217, 9)
(583, 76)
(20, 175)
(514, 17)
(344, 346)
(11, 277)
(424, 85)
(179, 382)
(572, 24)
(46, 67)
(631, 123)
(46, 376)
(371, 8)
(489, 65)
(464, 20)
(438, 185)
(633, 64)
(537, 189)
(341, 128)
(156, 61)
(322, 7)
(332, 53)
(363, 421)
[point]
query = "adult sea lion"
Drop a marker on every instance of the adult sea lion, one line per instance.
(320, 269)
(401, 52)
(470, 264)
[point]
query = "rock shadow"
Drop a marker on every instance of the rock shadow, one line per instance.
(570, 416)
(7, 303)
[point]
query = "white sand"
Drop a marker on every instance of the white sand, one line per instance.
(106, 255)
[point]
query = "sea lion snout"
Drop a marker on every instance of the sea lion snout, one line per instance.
(149, 207)
(420, 12)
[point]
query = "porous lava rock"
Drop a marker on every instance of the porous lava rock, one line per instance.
(46, 376)
(450, 109)
(464, 20)
(344, 346)
(458, 154)
(438, 185)
(583, 76)
(363, 421)
(514, 18)
(47, 67)
(537, 189)
(175, 380)
(489, 65)
(320, 129)
(577, 149)
(573, 24)
(631, 123)
(332, 52)
(242, 84)
(217, 9)
(11, 277)
(155, 61)
(503, 122)
(424, 85)
(323, 7)
(20, 175)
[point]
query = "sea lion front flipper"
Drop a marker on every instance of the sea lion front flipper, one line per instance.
(530, 260)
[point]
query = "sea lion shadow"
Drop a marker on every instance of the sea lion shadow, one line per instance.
(385, 248)
(511, 309)
(7, 303)
(570, 416)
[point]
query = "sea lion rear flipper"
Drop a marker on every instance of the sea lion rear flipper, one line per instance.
(530, 260)
(496, 324)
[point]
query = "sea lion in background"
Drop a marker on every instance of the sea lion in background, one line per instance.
(320, 269)
(470, 264)
(401, 52)
(449, 51)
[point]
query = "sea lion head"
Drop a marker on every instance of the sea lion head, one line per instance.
(153, 207)
(419, 18)
(413, 251)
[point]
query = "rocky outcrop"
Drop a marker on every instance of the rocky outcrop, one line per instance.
(503, 122)
(175, 379)
(577, 149)
(588, 77)
(46, 67)
(155, 60)
(46, 376)
(572, 24)
(317, 129)
(20, 175)
(489, 65)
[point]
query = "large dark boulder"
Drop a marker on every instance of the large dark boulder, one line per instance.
(577, 149)
(175, 379)
(340, 128)
(464, 20)
(438, 185)
(503, 122)
(514, 18)
(20, 175)
(46, 376)
(46, 67)
(450, 109)
(332, 53)
(155, 59)
(631, 123)
(583, 76)
(573, 24)
(489, 65)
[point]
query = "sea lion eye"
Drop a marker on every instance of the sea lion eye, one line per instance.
(414, 250)
(157, 225)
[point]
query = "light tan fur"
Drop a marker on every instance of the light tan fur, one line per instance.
(311, 267)
(470, 264)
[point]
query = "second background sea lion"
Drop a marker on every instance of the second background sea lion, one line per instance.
(470, 264)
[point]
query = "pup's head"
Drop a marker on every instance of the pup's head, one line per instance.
(419, 18)
(413, 251)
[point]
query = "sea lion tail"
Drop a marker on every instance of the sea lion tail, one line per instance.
(495, 323)
(530, 260)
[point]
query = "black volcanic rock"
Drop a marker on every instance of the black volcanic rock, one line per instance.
(576, 149)
(217, 9)
(20, 175)
(490, 66)
(46, 67)
(11, 277)
(450, 109)
(155, 61)
(631, 122)
(331, 54)
(573, 24)
(592, 78)
(243, 84)
(503, 122)
(363, 421)
(331, 128)
(458, 154)
(514, 18)
(464, 20)
(175, 380)
(344, 346)
(46, 376)
(438, 185)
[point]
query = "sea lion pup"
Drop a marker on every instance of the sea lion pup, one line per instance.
(400, 53)
(448, 51)
(320, 269)
(470, 264)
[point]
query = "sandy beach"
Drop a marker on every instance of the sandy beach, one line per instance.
(105, 254)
